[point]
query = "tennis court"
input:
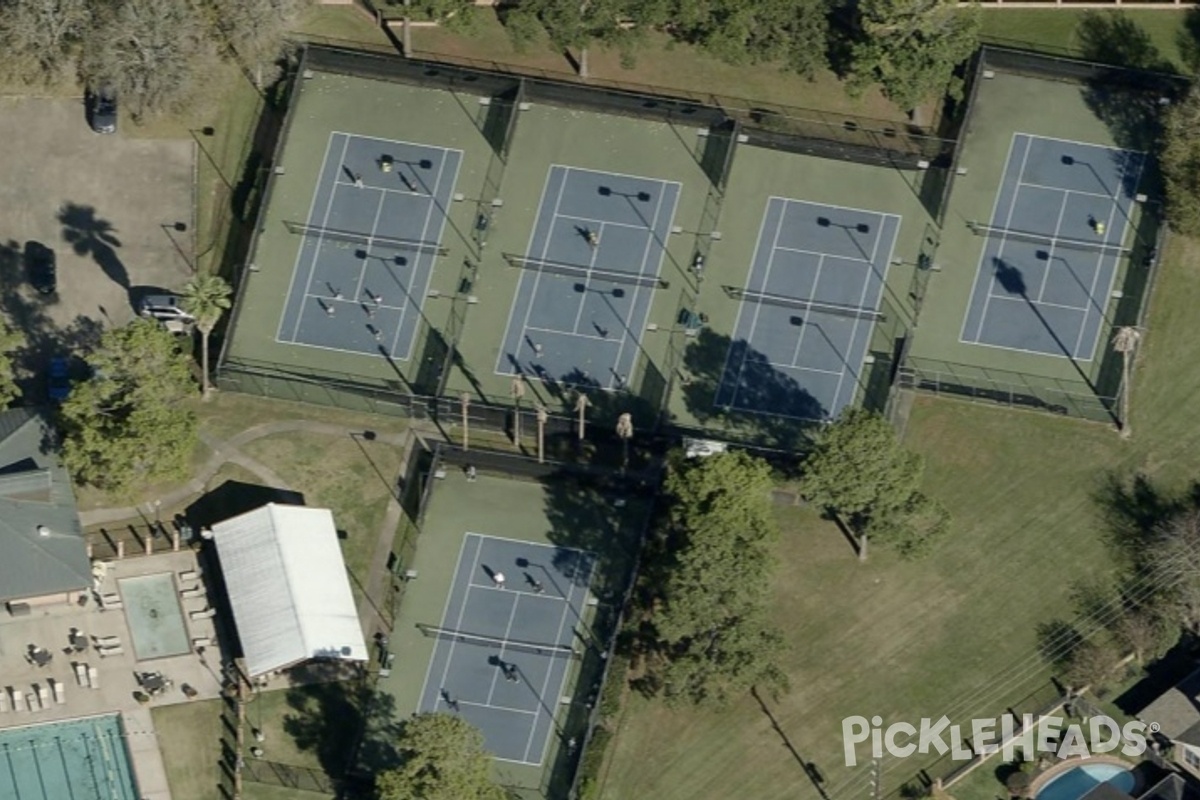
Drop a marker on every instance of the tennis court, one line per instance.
(370, 241)
(503, 651)
(80, 759)
(807, 309)
(589, 275)
(1056, 239)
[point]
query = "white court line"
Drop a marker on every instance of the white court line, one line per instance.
(362, 268)
(1091, 145)
(858, 320)
(812, 291)
(461, 611)
(562, 620)
(1100, 263)
(1030, 352)
(815, 253)
(524, 711)
(1062, 211)
(641, 178)
(758, 307)
(1060, 189)
(512, 614)
(614, 224)
(651, 240)
(1064, 306)
(1012, 205)
(524, 274)
(353, 302)
(312, 205)
(409, 300)
(591, 336)
(587, 278)
(762, 227)
(1125, 215)
(462, 549)
(409, 192)
(979, 272)
(317, 247)
(537, 279)
(783, 365)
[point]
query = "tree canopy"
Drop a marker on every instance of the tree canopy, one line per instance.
(257, 31)
(712, 576)
(441, 758)
(860, 471)
(1180, 159)
(40, 38)
(793, 33)
(129, 422)
(912, 47)
(11, 340)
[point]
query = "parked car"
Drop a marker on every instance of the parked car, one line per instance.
(58, 379)
(164, 307)
(102, 110)
(41, 264)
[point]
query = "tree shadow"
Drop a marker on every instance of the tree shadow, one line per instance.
(1112, 37)
(1133, 510)
(334, 720)
(93, 236)
(1188, 40)
(770, 405)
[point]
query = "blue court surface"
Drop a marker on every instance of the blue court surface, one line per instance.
(503, 652)
(588, 277)
(373, 233)
(78, 759)
(807, 310)
(1055, 241)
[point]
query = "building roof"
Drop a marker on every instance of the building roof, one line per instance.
(42, 546)
(288, 587)
(1177, 710)
(1105, 791)
(1172, 787)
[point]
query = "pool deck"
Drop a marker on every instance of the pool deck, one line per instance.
(49, 627)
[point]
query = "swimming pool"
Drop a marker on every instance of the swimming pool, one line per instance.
(81, 759)
(155, 618)
(1078, 781)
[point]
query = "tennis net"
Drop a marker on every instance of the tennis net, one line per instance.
(814, 306)
(1050, 242)
(508, 645)
(584, 273)
(371, 240)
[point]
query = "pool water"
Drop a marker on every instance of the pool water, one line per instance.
(80, 759)
(1076, 782)
(154, 616)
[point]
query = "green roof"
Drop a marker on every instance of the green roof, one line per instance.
(42, 546)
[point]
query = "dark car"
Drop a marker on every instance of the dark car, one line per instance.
(41, 265)
(102, 110)
(58, 381)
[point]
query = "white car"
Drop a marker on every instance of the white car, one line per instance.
(164, 307)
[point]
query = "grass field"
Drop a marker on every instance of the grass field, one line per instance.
(1057, 30)
(660, 62)
(954, 633)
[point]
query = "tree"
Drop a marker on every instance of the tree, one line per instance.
(1172, 564)
(206, 297)
(1180, 160)
(453, 15)
(578, 24)
(441, 758)
(130, 422)
(1092, 663)
(40, 38)
(1017, 783)
(712, 580)
(859, 471)
(912, 47)
(257, 30)
(11, 340)
(793, 33)
(1125, 342)
(1144, 634)
(156, 53)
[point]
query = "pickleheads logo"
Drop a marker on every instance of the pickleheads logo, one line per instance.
(1052, 735)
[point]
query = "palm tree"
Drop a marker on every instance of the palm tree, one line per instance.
(581, 405)
(625, 432)
(206, 297)
(1125, 341)
(542, 416)
(465, 400)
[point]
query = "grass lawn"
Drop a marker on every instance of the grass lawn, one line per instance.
(352, 477)
(228, 414)
(953, 634)
(345, 24)
(1056, 30)
(662, 63)
(189, 736)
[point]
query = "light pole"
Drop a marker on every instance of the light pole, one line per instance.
(581, 406)
(465, 400)
(625, 433)
(518, 392)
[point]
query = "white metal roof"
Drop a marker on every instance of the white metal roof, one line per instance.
(288, 587)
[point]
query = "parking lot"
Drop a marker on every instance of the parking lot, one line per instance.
(117, 211)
